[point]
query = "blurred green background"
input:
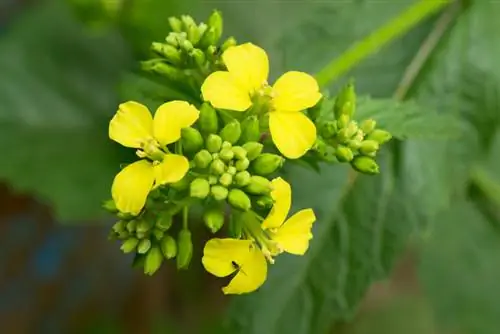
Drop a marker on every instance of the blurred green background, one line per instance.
(414, 250)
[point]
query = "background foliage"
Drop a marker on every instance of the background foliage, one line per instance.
(64, 67)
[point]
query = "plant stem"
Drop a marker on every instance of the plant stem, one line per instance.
(373, 42)
(185, 217)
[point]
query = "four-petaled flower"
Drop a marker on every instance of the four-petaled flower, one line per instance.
(246, 79)
(223, 257)
(133, 126)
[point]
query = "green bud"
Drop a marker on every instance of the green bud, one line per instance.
(215, 21)
(231, 41)
(209, 38)
(163, 69)
(212, 179)
(193, 34)
(345, 103)
(217, 167)
(226, 154)
(242, 179)
(214, 143)
(250, 130)
(343, 121)
(143, 246)
(239, 152)
(171, 53)
(365, 165)
(368, 126)
(219, 193)
(211, 51)
(200, 188)
(202, 27)
(368, 147)
(242, 165)
(231, 132)
(344, 154)
(202, 159)
(129, 245)
(131, 226)
(168, 247)
(328, 129)
(214, 219)
(208, 120)
(119, 227)
(198, 56)
(123, 235)
(380, 136)
(141, 235)
(175, 24)
(191, 140)
(267, 163)
(154, 258)
(239, 200)
(231, 170)
(253, 149)
(172, 39)
(158, 234)
(187, 22)
(110, 206)
(226, 145)
(164, 221)
(354, 144)
(259, 185)
(226, 179)
(182, 184)
(343, 135)
(187, 46)
(265, 202)
(143, 226)
(184, 249)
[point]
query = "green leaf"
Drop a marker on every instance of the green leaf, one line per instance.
(57, 93)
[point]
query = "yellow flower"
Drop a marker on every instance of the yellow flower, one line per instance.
(246, 79)
(224, 257)
(133, 126)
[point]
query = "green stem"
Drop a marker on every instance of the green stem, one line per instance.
(373, 42)
(185, 217)
(488, 185)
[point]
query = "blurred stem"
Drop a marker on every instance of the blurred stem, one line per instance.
(380, 37)
(486, 183)
(185, 217)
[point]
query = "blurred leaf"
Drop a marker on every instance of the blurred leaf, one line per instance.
(57, 92)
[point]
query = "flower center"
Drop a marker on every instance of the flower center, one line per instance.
(268, 247)
(150, 148)
(262, 99)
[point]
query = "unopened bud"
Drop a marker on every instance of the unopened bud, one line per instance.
(166, 70)
(212, 179)
(202, 27)
(354, 144)
(346, 101)
(215, 21)
(242, 179)
(184, 249)
(119, 227)
(365, 165)
(187, 22)
(186, 45)
(214, 143)
(143, 226)
(368, 147)
(219, 193)
(200, 188)
(202, 159)
(344, 154)
(143, 246)
(226, 145)
(164, 221)
(191, 140)
(380, 136)
(154, 258)
(265, 202)
(172, 39)
(168, 247)
(175, 24)
(259, 185)
(198, 56)
(231, 170)
(239, 152)
(129, 245)
(250, 130)
(368, 126)
(193, 34)
(131, 226)
(110, 206)
(231, 41)
(328, 129)
(171, 53)
(208, 120)
(158, 234)
(343, 121)
(231, 132)
(226, 179)
(267, 163)
(239, 200)
(253, 149)
(242, 164)
(208, 38)
(217, 167)
(213, 219)
(226, 154)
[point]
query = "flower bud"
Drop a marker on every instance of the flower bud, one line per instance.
(208, 39)
(231, 41)
(129, 245)
(140, 235)
(328, 129)
(214, 143)
(344, 154)
(212, 179)
(226, 154)
(253, 149)
(211, 51)
(110, 206)
(226, 179)
(191, 140)
(368, 147)
(215, 21)
(184, 249)
(231, 170)
(368, 126)
(202, 27)
(346, 101)
(202, 159)
(242, 164)
(242, 179)
(265, 202)
(231, 132)
(120, 226)
(208, 120)
(187, 22)
(143, 226)
(380, 136)
(193, 34)
(158, 234)
(154, 258)
(171, 53)
(182, 184)
(259, 185)
(143, 246)
(213, 219)
(219, 193)
(354, 144)
(200, 188)
(365, 165)
(217, 167)
(239, 200)
(250, 130)
(170, 72)
(239, 152)
(186, 46)
(168, 247)
(172, 39)
(343, 121)
(226, 145)
(267, 163)
(175, 24)
(164, 221)
(131, 226)
(198, 56)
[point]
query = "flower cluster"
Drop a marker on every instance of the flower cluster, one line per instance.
(224, 153)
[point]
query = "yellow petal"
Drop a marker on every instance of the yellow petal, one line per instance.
(222, 91)
(248, 64)
(294, 235)
(219, 255)
(282, 196)
(131, 186)
(292, 132)
(251, 275)
(295, 91)
(170, 118)
(171, 169)
(131, 125)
